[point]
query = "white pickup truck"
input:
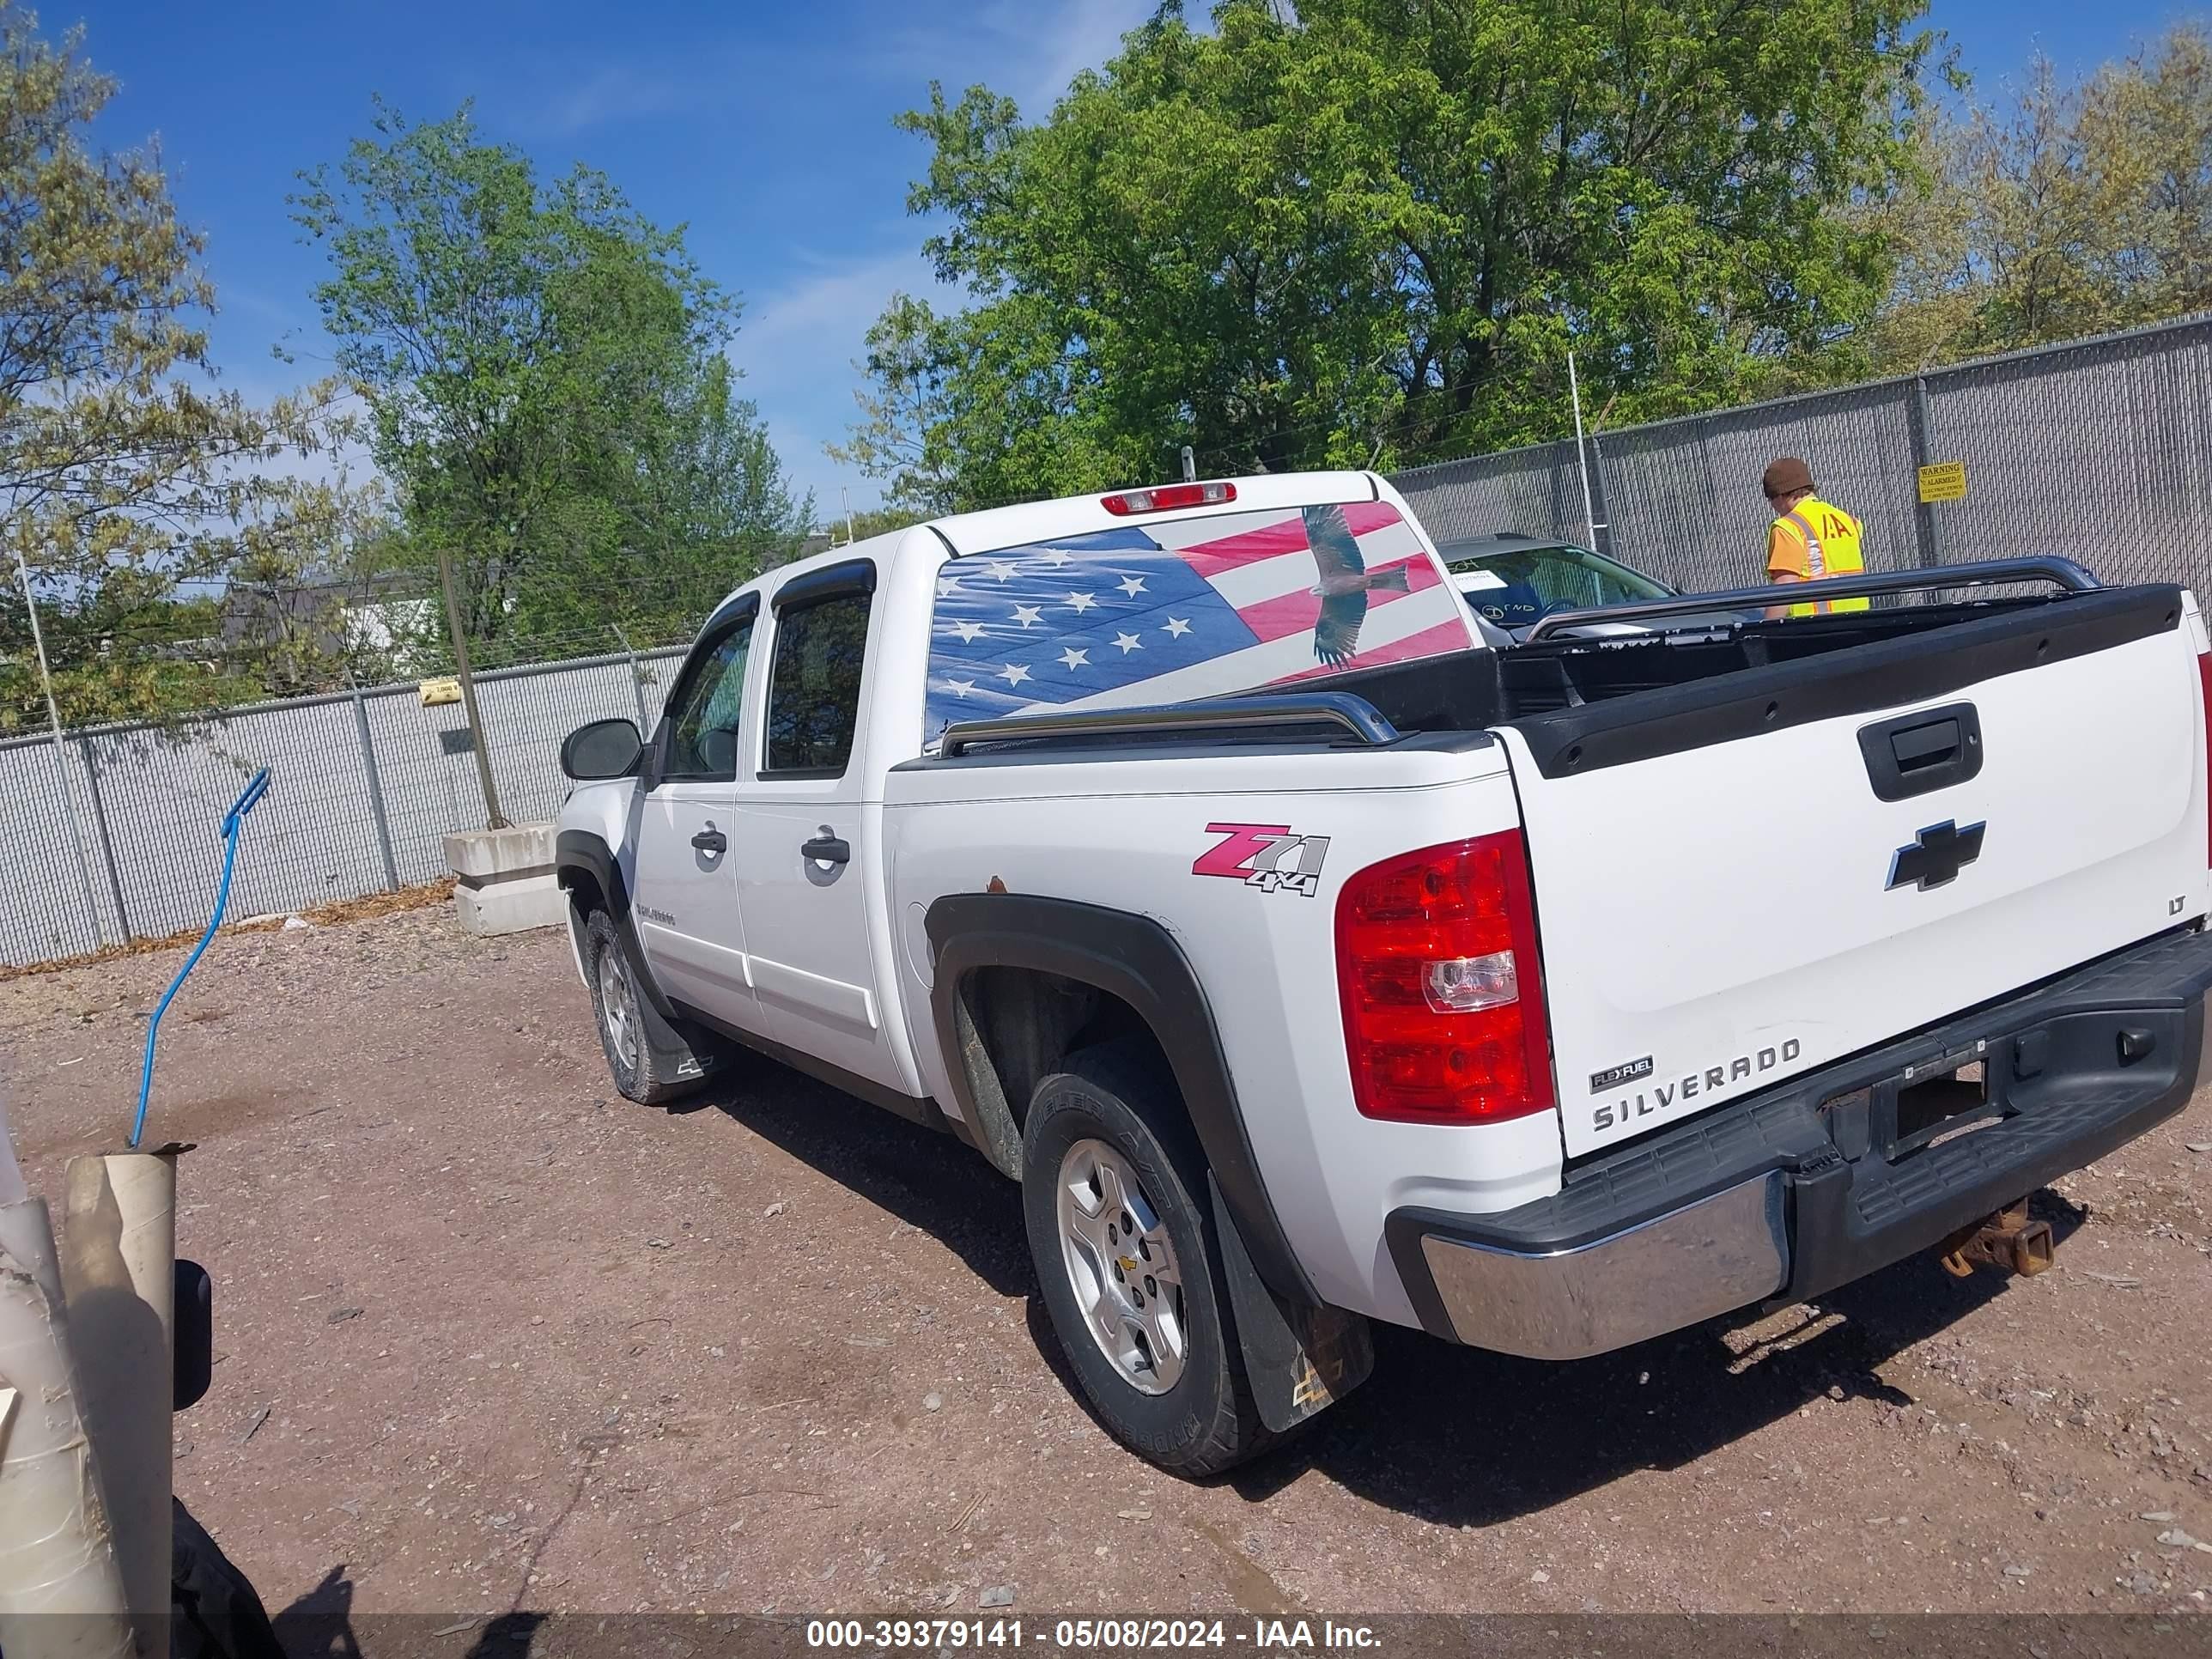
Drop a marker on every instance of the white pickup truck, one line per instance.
(1308, 961)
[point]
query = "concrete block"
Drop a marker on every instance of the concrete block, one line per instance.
(503, 879)
(511, 907)
(519, 849)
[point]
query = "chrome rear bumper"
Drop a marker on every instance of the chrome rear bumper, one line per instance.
(1822, 1179)
(1694, 1263)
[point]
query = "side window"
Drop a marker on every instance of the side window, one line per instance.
(702, 716)
(814, 686)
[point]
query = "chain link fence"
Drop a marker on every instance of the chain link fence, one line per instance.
(2100, 451)
(118, 836)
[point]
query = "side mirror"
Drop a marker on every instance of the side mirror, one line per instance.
(717, 752)
(193, 1351)
(604, 749)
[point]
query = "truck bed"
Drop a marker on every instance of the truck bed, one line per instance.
(1746, 843)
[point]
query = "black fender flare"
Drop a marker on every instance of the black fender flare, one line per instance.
(1135, 958)
(577, 850)
(680, 1042)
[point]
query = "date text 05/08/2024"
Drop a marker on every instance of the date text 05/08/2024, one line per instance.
(1260, 1636)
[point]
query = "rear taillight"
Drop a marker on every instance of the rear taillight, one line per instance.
(2204, 686)
(1162, 497)
(1444, 996)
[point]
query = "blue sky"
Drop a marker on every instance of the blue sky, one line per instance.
(767, 129)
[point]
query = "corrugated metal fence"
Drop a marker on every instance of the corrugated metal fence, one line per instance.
(2101, 451)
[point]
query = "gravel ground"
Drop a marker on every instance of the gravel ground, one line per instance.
(490, 1337)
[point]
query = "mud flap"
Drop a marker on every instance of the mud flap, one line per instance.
(677, 1055)
(1299, 1359)
(680, 1054)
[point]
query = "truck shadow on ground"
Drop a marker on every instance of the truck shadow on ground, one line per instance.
(1451, 1435)
(1463, 1437)
(926, 1178)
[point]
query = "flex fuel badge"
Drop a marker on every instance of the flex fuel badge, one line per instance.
(1272, 857)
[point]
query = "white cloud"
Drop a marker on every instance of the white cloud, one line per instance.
(1028, 49)
(1086, 36)
(558, 92)
(613, 93)
(800, 344)
(1025, 48)
(836, 303)
(798, 348)
(800, 341)
(617, 91)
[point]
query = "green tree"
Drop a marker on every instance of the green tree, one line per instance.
(547, 384)
(131, 485)
(1996, 246)
(2067, 209)
(872, 521)
(1371, 232)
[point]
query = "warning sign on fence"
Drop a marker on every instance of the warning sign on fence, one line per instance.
(436, 692)
(1946, 481)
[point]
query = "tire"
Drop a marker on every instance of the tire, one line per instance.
(1188, 1411)
(643, 1070)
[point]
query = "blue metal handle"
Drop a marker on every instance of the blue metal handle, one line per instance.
(232, 821)
(248, 798)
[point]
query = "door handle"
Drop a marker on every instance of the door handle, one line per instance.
(711, 840)
(1911, 755)
(826, 848)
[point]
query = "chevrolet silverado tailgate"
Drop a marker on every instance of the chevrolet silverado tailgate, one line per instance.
(1750, 876)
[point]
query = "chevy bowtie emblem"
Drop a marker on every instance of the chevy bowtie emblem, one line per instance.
(1936, 855)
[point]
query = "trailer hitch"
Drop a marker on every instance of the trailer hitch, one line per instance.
(2007, 1239)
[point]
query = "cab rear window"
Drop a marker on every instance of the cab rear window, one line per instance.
(1171, 611)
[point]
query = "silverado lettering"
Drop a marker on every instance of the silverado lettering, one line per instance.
(1660, 1097)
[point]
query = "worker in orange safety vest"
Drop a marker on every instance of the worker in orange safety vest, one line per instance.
(1810, 539)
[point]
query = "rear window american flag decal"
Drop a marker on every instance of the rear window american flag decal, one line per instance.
(1167, 613)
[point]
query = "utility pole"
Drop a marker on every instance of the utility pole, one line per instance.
(847, 491)
(1189, 466)
(60, 764)
(493, 818)
(1581, 461)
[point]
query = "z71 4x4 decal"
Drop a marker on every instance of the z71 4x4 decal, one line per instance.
(1256, 854)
